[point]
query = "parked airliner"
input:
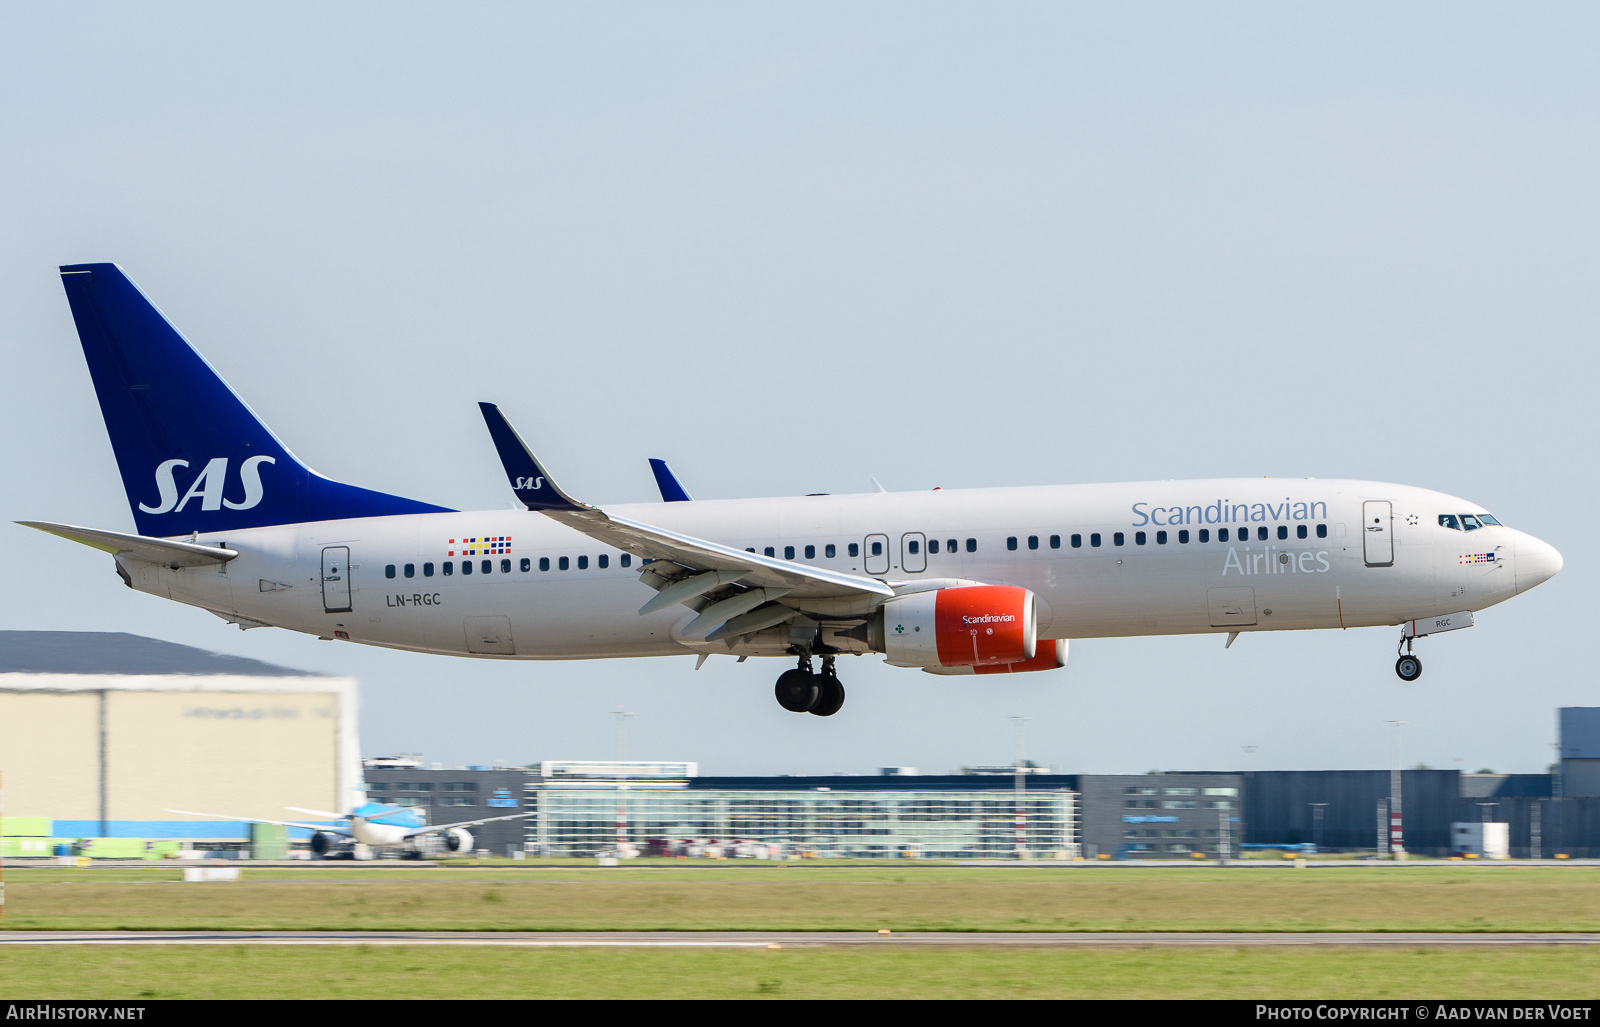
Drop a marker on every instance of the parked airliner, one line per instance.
(374, 824)
(951, 581)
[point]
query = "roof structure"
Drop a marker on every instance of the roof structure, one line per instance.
(119, 653)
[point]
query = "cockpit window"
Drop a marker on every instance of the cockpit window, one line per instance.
(1470, 523)
(1486, 519)
(1449, 521)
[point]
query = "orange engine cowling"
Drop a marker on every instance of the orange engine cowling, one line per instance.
(967, 626)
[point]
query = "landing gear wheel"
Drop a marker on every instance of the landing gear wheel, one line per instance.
(830, 695)
(797, 690)
(1408, 667)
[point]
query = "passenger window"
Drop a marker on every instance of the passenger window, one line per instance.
(811, 552)
(1055, 541)
(933, 545)
(855, 549)
(488, 565)
(388, 571)
(527, 565)
(1205, 535)
(1470, 523)
(411, 570)
(627, 560)
(912, 547)
(1011, 543)
(829, 551)
(950, 545)
(449, 568)
(972, 545)
(1138, 538)
(1283, 532)
(1077, 542)
(1222, 534)
(750, 549)
(1183, 536)
(1261, 533)
(602, 561)
(505, 566)
(788, 552)
(1094, 540)
(1033, 541)
(1299, 531)
(1116, 539)
(583, 563)
(427, 570)
(1161, 538)
(466, 566)
(1322, 531)
(877, 549)
(769, 551)
(561, 563)
(544, 563)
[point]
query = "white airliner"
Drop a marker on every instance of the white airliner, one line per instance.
(949, 581)
(374, 824)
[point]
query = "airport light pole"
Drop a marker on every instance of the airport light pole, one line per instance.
(1020, 724)
(1316, 823)
(622, 716)
(1397, 848)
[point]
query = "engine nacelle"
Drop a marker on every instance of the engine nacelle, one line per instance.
(967, 626)
(458, 839)
(323, 843)
(1051, 655)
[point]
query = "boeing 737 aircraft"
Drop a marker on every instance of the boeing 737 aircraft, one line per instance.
(973, 581)
(374, 824)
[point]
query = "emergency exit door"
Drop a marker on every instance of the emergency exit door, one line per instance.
(336, 579)
(1377, 533)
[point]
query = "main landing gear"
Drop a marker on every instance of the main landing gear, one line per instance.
(801, 691)
(1407, 666)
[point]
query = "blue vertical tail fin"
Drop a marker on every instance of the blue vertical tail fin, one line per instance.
(193, 456)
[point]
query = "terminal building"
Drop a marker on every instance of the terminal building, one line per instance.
(102, 735)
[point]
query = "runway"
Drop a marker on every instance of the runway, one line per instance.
(787, 939)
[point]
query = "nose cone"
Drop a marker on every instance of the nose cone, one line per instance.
(1537, 562)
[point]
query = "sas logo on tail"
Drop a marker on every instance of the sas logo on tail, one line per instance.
(207, 485)
(534, 484)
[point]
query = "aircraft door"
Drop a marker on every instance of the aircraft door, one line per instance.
(913, 552)
(336, 579)
(1377, 533)
(875, 551)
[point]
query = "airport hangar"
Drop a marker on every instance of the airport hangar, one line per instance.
(102, 733)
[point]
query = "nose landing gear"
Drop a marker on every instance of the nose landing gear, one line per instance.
(1407, 666)
(801, 691)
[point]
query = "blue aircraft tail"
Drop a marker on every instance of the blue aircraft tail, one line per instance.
(193, 456)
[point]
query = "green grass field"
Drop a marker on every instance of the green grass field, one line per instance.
(815, 897)
(804, 897)
(438, 972)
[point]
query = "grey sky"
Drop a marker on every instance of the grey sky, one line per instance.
(789, 247)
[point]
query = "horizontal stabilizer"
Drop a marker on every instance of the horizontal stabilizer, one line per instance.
(162, 551)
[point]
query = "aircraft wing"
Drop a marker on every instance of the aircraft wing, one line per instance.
(540, 493)
(167, 552)
(415, 831)
(324, 828)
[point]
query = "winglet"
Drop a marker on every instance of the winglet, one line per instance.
(534, 488)
(667, 482)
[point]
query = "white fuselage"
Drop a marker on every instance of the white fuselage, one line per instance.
(1320, 565)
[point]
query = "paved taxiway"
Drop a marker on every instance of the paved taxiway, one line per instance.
(767, 939)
